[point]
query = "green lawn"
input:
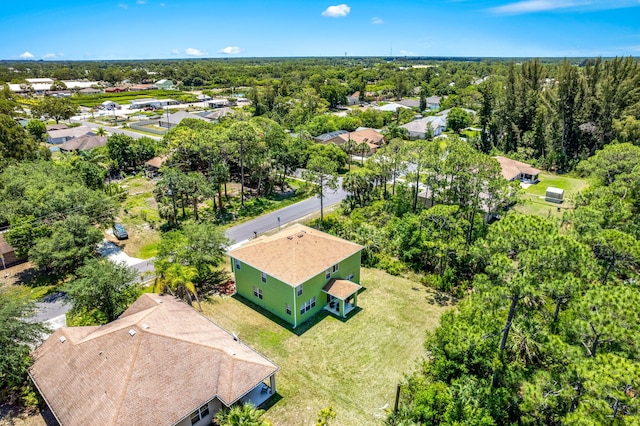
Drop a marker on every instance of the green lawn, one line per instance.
(531, 200)
(353, 365)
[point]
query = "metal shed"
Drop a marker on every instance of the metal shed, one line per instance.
(554, 195)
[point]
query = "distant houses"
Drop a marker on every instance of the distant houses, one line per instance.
(422, 127)
(298, 272)
(63, 135)
(172, 120)
(371, 137)
(84, 143)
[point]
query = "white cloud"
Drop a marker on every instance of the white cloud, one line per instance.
(123, 5)
(53, 56)
(337, 11)
(406, 53)
(533, 6)
(376, 21)
(27, 55)
(163, 4)
(230, 50)
(175, 52)
(141, 2)
(194, 52)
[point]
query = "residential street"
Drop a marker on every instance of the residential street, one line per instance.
(269, 221)
(113, 130)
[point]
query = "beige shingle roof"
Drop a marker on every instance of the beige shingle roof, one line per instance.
(512, 168)
(175, 361)
(341, 289)
(295, 254)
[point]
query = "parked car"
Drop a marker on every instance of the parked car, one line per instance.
(120, 232)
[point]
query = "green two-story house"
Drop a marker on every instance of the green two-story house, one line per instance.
(297, 272)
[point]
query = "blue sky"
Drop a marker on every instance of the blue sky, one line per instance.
(147, 29)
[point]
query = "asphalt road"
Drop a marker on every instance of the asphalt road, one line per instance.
(269, 221)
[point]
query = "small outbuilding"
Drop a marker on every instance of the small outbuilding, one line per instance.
(554, 195)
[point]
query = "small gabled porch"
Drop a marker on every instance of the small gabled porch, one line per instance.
(342, 297)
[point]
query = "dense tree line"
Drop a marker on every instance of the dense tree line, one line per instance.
(549, 333)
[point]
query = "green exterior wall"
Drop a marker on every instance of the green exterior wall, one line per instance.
(276, 294)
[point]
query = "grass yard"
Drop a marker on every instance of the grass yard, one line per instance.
(353, 365)
(531, 200)
(139, 214)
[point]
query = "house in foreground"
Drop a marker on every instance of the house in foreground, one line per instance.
(160, 363)
(298, 272)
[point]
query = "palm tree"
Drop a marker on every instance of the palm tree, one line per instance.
(101, 131)
(178, 280)
(242, 415)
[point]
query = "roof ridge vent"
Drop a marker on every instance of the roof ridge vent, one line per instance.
(63, 339)
(290, 237)
(145, 326)
(132, 332)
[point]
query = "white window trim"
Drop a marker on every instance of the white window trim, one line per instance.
(237, 264)
(335, 268)
(327, 274)
(263, 277)
(257, 292)
(299, 290)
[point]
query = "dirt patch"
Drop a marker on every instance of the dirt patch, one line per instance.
(12, 416)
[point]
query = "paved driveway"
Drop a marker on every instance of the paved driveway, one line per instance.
(114, 254)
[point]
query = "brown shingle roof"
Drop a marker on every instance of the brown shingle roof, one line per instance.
(84, 143)
(340, 288)
(157, 162)
(175, 361)
(295, 254)
(512, 168)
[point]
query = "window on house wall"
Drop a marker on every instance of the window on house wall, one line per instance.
(263, 277)
(199, 414)
(350, 277)
(257, 292)
(237, 264)
(288, 308)
(308, 305)
(327, 273)
(299, 290)
(334, 268)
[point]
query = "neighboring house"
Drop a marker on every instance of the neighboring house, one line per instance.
(152, 167)
(218, 103)
(110, 104)
(160, 363)
(139, 87)
(156, 103)
(298, 272)
(410, 103)
(58, 126)
(354, 98)
(174, 119)
(8, 255)
(371, 137)
(164, 84)
(516, 170)
(418, 128)
(63, 135)
(218, 113)
(117, 89)
(339, 136)
(433, 102)
(89, 91)
(84, 143)
(391, 106)
(554, 195)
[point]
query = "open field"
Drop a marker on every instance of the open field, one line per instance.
(353, 365)
(531, 200)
